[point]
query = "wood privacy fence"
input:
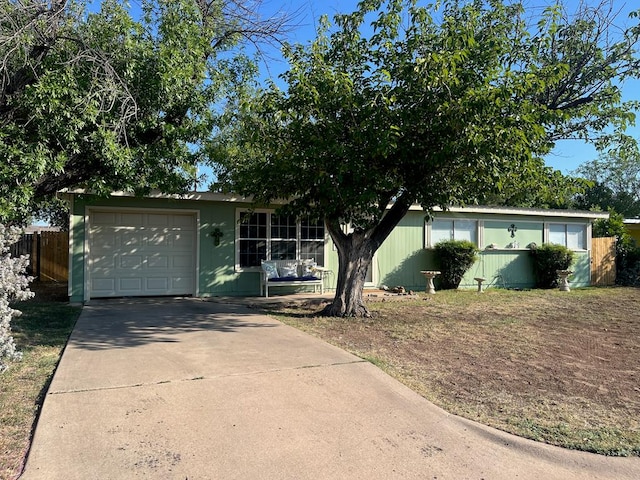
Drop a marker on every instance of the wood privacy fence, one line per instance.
(603, 261)
(48, 255)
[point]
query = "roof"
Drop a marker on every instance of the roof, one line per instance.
(539, 212)
(225, 197)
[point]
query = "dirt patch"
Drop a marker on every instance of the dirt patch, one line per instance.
(559, 367)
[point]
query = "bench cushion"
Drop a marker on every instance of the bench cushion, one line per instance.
(294, 279)
(270, 270)
(288, 271)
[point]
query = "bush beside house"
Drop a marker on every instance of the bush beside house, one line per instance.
(547, 260)
(455, 258)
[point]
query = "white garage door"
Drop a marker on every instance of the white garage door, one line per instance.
(141, 254)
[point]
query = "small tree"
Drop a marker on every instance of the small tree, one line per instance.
(14, 286)
(455, 257)
(547, 260)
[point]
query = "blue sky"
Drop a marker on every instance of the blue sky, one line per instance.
(567, 156)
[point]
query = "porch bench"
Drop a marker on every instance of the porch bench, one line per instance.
(291, 273)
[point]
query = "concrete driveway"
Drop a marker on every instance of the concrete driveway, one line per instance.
(191, 389)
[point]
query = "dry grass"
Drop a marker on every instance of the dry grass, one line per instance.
(547, 365)
(40, 334)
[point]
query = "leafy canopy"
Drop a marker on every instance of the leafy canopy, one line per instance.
(452, 103)
(106, 101)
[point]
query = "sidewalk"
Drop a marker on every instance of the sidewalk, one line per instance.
(192, 389)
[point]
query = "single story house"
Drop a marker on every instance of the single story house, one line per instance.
(208, 244)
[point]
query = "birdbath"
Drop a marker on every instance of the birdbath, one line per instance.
(479, 280)
(563, 280)
(430, 275)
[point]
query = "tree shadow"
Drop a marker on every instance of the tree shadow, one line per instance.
(126, 323)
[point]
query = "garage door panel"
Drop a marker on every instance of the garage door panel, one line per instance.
(134, 220)
(182, 221)
(133, 262)
(180, 283)
(137, 254)
(158, 220)
(129, 238)
(181, 261)
(104, 218)
(132, 285)
(104, 285)
(181, 240)
(159, 262)
(157, 283)
(157, 239)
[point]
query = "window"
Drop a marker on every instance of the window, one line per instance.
(312, 240)
(267, 236)
(454, 230)
(571, 235)
(253, 239)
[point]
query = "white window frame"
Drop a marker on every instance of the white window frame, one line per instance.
(586, 230)
(241, 211)
(428, 241)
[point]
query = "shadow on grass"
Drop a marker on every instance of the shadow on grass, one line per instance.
(44, 327)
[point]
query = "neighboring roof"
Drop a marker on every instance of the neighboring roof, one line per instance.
(41, 228)
(223, 197)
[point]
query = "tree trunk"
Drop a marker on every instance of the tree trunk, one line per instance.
(355, 255)
(354, 259)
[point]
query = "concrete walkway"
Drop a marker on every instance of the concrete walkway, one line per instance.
(190, 389)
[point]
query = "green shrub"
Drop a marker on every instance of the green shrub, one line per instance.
(547, 259)
(455, 257)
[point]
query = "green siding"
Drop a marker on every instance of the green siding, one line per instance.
(402, 256)
(527, 232)
(217, 274)
(398, 261)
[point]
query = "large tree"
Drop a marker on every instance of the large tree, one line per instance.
(439, 105)
(114, 99)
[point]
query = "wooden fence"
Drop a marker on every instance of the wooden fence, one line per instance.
(603, 261)
(48, 255)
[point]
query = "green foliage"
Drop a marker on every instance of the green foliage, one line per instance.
(615, 180)
(627, 252)
(455, 258)
(103, 101)
(547, 260)
(447, 104)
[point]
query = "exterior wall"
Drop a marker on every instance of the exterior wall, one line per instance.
(216, 264)
(398, 261)
(401, 258)
(634, 231)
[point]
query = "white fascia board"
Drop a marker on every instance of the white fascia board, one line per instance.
(538, 212)
(224, 197)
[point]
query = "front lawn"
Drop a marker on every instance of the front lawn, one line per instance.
(40, 334)
(562, 368)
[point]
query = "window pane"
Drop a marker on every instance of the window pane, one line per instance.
(312, 230)
(441, 230)
(254, 226)
(465, 230)
(283, 250)
(576, 235)
(557, 234)
(312, 250)
(283, 226)
(251, 252)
